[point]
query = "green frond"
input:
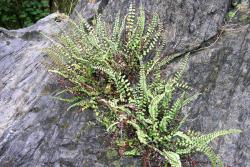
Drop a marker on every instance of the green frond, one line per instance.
(122, 84)
(142, 136)
(151, 28)
(199, 143)
(153, 106)
(168, 89)
(135, 42)
(141, 23)
(130, 20)
(214, 159)
(144, 93)
(116, 28)
(167, 59)
(182, 68)
(174, 110)
(151, 44)
(133, 152)
(206, 139)
(153, 65)
(84, 23)
(150, 66)
(84, 104)
(172, 158)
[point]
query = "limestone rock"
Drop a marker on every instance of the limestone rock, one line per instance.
(37, 131)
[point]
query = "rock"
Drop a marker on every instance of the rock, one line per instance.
(38, 131)
(22, 75)
(221, 74)
(186, 23)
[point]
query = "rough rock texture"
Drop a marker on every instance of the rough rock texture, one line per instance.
(187, 23)
(37, 130)
(22, 75)
(222, 74)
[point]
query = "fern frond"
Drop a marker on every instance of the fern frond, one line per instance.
(122, 84)
(182, 67)
(154, 64)
(214, 159)
(141, 23)
(134, 44)
(84, 104)
(144, 93)
(83, 22)
(142, 136)
(167, 59)
(176, 107)
(153, 107)
(130, 20)
(206, 139)
(168, 95)
(152, 43)
(116, 29)
(151, 28)
(173, 158)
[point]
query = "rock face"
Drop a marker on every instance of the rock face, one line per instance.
(22, 74)
(187, 23)
(222, 74)
(37, 131)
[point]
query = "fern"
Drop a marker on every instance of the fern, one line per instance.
(120, 72)
(173, 158)
(130, 20)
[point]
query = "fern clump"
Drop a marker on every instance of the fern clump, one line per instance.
(118, 72)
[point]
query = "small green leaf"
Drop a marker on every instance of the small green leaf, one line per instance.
(173, 158)
(140, 134)
(133, 152)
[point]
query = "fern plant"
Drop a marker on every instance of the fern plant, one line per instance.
(119, 72)
(153, 115)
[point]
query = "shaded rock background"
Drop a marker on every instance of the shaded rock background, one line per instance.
(37, 131)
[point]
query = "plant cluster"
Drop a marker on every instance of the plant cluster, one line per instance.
(22, 13)
(63, 6)
(117, 75)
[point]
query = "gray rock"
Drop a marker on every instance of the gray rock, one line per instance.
(221, 74)
(187, 23)
(37, 131)
(22, 74)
